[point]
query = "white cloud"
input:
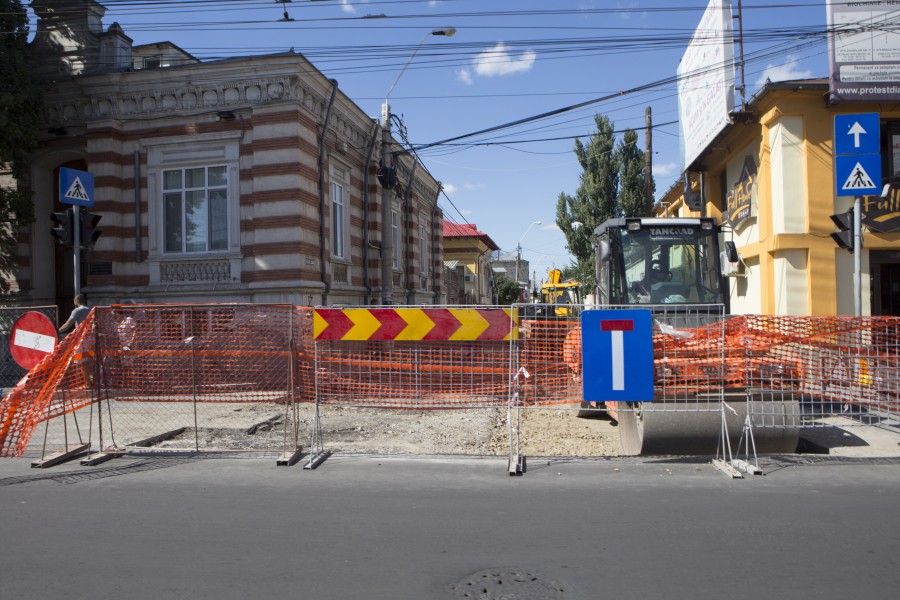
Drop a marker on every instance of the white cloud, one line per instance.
(465, 212)
(784, 72)
(347, 7)
(664, 170)
(465, 76)
(550, 227)
(450, 189)
(474, 187)
(498, 61)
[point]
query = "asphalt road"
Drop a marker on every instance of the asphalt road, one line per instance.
(420, 528)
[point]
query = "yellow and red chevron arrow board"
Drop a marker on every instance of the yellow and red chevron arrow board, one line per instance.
(415, 324)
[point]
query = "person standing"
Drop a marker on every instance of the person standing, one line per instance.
(79, 314)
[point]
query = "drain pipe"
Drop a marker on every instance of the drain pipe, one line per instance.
(138, 241)
(323, 271)
(407, 225)
(435, 290)
(365, 201)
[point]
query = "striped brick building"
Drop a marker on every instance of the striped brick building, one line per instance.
(238, 180)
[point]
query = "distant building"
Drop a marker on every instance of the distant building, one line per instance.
(506, 264)
(467, 253)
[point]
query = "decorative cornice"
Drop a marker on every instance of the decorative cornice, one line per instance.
(194, 98)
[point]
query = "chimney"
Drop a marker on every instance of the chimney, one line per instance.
(67, 40)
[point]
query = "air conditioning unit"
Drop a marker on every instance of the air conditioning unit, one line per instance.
(732, 269)
(469, 278)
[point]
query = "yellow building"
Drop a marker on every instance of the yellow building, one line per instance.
(467, 253)
(769, 178)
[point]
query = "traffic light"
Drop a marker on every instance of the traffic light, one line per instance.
(89, 231)
(62, 230)
(845, 237)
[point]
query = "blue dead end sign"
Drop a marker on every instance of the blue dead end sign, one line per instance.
(617, 355)
(76, 187)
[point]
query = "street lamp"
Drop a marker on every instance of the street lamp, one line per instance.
(388, 178)
(519, 249)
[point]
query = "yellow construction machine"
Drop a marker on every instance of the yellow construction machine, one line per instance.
(565, 295)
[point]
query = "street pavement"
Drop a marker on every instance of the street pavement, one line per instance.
(376, 527)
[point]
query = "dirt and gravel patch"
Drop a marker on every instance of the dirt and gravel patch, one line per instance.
(480, 432)
(543, 432)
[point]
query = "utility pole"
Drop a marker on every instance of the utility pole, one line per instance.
(648, 164)
(387, 205)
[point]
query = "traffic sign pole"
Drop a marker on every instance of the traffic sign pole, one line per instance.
(857, 256)
(76, 246)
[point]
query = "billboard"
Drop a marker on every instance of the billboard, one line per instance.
(706, 82)
(864, 51)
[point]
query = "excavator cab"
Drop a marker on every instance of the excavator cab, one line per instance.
(658, 261)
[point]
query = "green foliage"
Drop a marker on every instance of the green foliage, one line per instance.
(631, 176)
(21, 107)
(21, 111)
(611, 185)
(507, 290)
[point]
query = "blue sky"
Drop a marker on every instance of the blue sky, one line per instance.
(509, 60)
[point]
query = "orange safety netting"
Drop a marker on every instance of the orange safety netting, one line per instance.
(61, 383)
(254, 353)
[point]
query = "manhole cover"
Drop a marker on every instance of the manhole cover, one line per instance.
(509, 583)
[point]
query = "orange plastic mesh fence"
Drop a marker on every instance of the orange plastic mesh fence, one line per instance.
(830, 365)
(157, 364)
(59, 384)
(150, 366)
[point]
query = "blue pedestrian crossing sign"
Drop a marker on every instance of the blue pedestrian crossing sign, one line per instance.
(857, 154)
(76, 187)
(617, 355)
(858, 175)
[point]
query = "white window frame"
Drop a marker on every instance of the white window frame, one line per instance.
(395, 236)
(180, 152)
(340, 214)
(423, 250)
(182, 191)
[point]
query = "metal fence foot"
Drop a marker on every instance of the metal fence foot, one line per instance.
(517, 465)
(289, 459)
(726, 468)
(317, 459)
(60, 457)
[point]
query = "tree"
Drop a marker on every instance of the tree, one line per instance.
(632, 167)
(595, 199)
(611, 185)
(507, 290)
(21, 106)
(21, 110)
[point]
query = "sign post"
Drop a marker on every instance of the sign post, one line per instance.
(76, 188)
(857, 172)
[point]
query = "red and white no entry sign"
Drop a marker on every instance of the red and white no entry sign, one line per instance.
(33, 337)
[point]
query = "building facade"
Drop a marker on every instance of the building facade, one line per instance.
(769, 178)
(241, 180)
(467, 251)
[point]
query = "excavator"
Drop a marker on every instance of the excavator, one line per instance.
(672, 266)
(563, 294)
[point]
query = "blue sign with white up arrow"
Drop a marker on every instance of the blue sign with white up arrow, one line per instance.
(857, 149)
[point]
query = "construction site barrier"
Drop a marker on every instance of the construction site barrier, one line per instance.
(201, 376)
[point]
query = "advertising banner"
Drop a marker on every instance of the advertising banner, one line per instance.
(864, 51)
